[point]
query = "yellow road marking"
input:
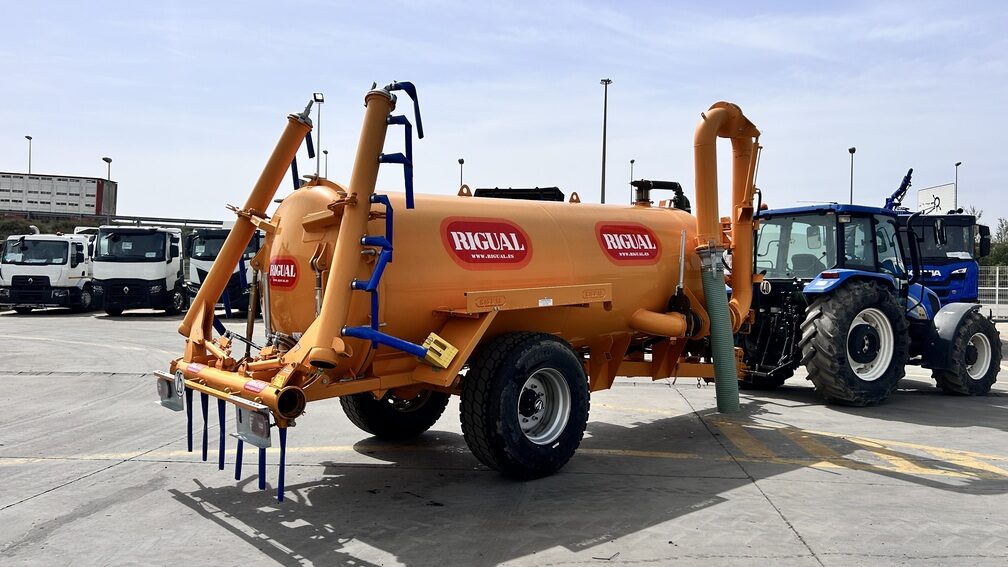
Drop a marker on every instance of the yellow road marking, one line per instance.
(898, 461)
(742, 439)
(813, 446)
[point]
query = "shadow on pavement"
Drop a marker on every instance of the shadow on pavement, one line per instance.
(433, 503)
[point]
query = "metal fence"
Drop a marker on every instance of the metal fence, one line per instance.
(994, 291)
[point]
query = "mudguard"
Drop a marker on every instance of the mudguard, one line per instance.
(946, 324)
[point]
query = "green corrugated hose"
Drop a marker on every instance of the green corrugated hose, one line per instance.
(722, 343)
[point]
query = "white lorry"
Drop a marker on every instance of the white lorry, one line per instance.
(46, 270)
(202, 247)
(139, 267)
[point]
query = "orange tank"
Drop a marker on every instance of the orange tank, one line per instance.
(449, 247)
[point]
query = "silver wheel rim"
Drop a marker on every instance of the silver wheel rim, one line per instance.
(875, 368)
(978, 369)
(544, 406)
(177, 300)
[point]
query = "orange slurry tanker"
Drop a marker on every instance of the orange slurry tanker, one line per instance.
(520, 307)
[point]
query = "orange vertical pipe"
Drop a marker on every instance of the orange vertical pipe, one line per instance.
(298, 125)
(325, 342)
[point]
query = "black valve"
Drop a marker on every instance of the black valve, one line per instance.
(643, 187)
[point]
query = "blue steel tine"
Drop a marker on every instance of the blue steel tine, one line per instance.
(220, 420)
(238, 459)
(262, 468)
(204, 401)
(188, 406)
(283, 463)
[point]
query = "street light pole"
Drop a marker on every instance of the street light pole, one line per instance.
(29, 138)
(605, 115)
(461, 161)
(326, 154)
(955, 188)
(108, 161)
(852, 150)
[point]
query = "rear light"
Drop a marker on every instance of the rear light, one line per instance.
(830, 275)
(259, 424)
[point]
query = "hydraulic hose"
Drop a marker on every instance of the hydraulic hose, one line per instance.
(722, 342)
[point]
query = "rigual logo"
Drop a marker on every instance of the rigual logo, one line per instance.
(486, 243)
(283, 272)
(628, 242)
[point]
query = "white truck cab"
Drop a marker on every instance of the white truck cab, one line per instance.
(139, 267)
(46, 270)
(202, 247)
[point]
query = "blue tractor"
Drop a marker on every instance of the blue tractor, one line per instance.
(951, 244)
(833, 293)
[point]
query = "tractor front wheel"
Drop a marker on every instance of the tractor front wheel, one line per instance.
(976, 358)
(855, 344)
(393, 418)
(525, 404)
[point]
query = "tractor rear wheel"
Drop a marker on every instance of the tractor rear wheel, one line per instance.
(855, 344)
(525, 404)
(393, 418)
(976, 358)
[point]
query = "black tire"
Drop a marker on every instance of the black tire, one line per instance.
(829, 335)
(508, 380)
(975, 333)
(392, 418)
(86, 301)
(176, 301)
(22, 310)
(113, 311)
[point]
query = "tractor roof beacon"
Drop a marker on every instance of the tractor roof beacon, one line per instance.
(833, 292)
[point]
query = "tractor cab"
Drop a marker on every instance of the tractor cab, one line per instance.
(800, 244)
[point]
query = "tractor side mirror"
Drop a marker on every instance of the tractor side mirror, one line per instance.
(77, 259)
(813, 238)
(173, 251)
(880, 241)
(985, 241)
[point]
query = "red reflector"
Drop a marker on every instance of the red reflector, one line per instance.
(830, 275)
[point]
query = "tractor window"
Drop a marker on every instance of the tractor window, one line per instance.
(886, 243)
(859, 244)
(800, 246)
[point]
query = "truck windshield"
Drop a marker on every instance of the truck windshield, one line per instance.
(958, 241)
(130, 246)
(207, 245)
(35, 252)
(799, 246)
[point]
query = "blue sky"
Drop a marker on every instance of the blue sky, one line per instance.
(188, 98)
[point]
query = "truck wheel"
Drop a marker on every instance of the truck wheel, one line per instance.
(22, 310)
(524, 404)
(84, 304)
(113, 311)
(393, 418)
(176, 303)
(976, 358)
(855, 344)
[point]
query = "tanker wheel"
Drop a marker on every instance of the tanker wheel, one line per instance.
(393, 418)
(524, 404)
(976, 358)
(855, 344)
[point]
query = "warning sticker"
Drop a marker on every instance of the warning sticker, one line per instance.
(255, 386)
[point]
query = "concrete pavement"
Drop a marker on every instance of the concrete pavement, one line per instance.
(96, 473)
